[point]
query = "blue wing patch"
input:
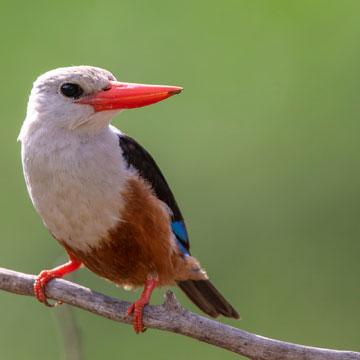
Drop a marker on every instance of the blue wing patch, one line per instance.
(179, 229)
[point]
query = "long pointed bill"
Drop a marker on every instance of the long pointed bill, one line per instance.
(121, 95)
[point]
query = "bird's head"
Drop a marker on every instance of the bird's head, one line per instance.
(86, 98)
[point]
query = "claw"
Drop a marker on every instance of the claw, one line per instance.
(39, 287)
(46, 275)
(136, 308)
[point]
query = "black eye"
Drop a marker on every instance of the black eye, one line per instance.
(72, 90)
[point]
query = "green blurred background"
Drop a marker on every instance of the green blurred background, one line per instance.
(260, 150)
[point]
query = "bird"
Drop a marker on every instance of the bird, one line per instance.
(101, 195)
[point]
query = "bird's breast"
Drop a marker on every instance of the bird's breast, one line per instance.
(76, 186)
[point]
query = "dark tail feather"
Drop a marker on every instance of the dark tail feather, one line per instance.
(207, 298)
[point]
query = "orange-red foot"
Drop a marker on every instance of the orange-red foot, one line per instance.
(137, 307)
(46, 275)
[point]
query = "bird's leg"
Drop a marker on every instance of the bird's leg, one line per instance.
(137, 306)
(46, 275)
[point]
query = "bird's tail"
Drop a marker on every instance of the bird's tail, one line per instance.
(207, 298)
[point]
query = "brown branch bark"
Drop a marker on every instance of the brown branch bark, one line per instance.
(171, 316)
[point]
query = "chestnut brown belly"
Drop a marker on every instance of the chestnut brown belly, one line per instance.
(141, 244)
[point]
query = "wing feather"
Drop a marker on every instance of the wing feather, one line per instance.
(138, 158)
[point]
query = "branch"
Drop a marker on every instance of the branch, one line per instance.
(173, 317)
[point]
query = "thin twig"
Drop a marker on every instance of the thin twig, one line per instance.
(70, 339)
(173, 317)
(69, 332)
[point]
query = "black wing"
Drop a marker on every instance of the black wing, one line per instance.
(137, 157)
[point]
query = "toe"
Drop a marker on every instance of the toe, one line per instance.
(130, 310)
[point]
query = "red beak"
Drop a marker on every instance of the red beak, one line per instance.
(121, 95)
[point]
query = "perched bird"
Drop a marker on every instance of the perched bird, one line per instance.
(101, 195)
